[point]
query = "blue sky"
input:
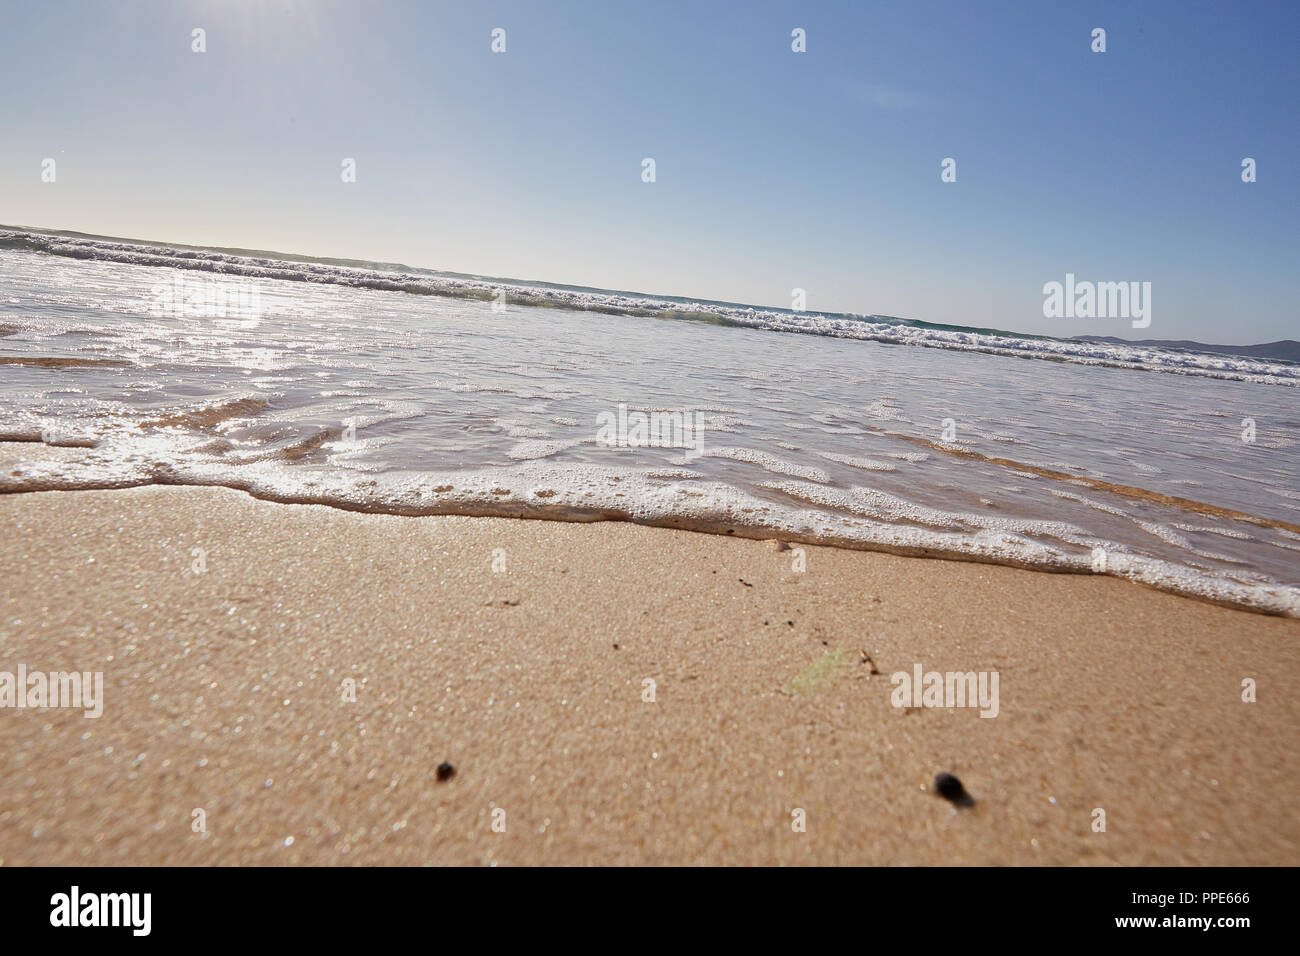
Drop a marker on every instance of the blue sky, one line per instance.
(775, 169)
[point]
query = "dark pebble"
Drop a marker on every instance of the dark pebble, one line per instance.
(951, 789)
(446, 771)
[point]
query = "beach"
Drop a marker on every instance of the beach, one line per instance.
(227, 630)
(670, 436)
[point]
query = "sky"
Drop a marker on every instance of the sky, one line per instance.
(774, 169)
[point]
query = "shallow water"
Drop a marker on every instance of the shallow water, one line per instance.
(346, 391)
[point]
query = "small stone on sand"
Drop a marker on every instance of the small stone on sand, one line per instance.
(952, 790)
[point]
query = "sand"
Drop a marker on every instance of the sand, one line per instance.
(224, 693)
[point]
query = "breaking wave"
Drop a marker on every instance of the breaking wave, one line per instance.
(872, 328)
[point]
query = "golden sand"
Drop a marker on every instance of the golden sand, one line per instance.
(519, 651)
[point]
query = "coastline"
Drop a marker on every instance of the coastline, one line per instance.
(222, 693)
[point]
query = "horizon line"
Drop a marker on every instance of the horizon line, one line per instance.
(348, 262)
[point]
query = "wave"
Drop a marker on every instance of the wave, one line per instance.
(857, 519)
(872, 328)
(242, 442)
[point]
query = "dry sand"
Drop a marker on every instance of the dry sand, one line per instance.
(224, 692)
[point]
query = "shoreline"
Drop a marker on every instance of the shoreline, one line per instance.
(773, 694)
(1274, 600)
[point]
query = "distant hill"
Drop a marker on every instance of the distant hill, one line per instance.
(1287, 350)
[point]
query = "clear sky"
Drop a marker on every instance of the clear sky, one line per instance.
(774, 169)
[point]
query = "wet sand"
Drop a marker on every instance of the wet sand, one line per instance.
(225, 685)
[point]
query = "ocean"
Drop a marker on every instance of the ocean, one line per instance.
(392, 389)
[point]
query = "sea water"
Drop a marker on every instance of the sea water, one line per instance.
(390, 389)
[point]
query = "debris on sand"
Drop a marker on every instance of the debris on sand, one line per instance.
(952, 790)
